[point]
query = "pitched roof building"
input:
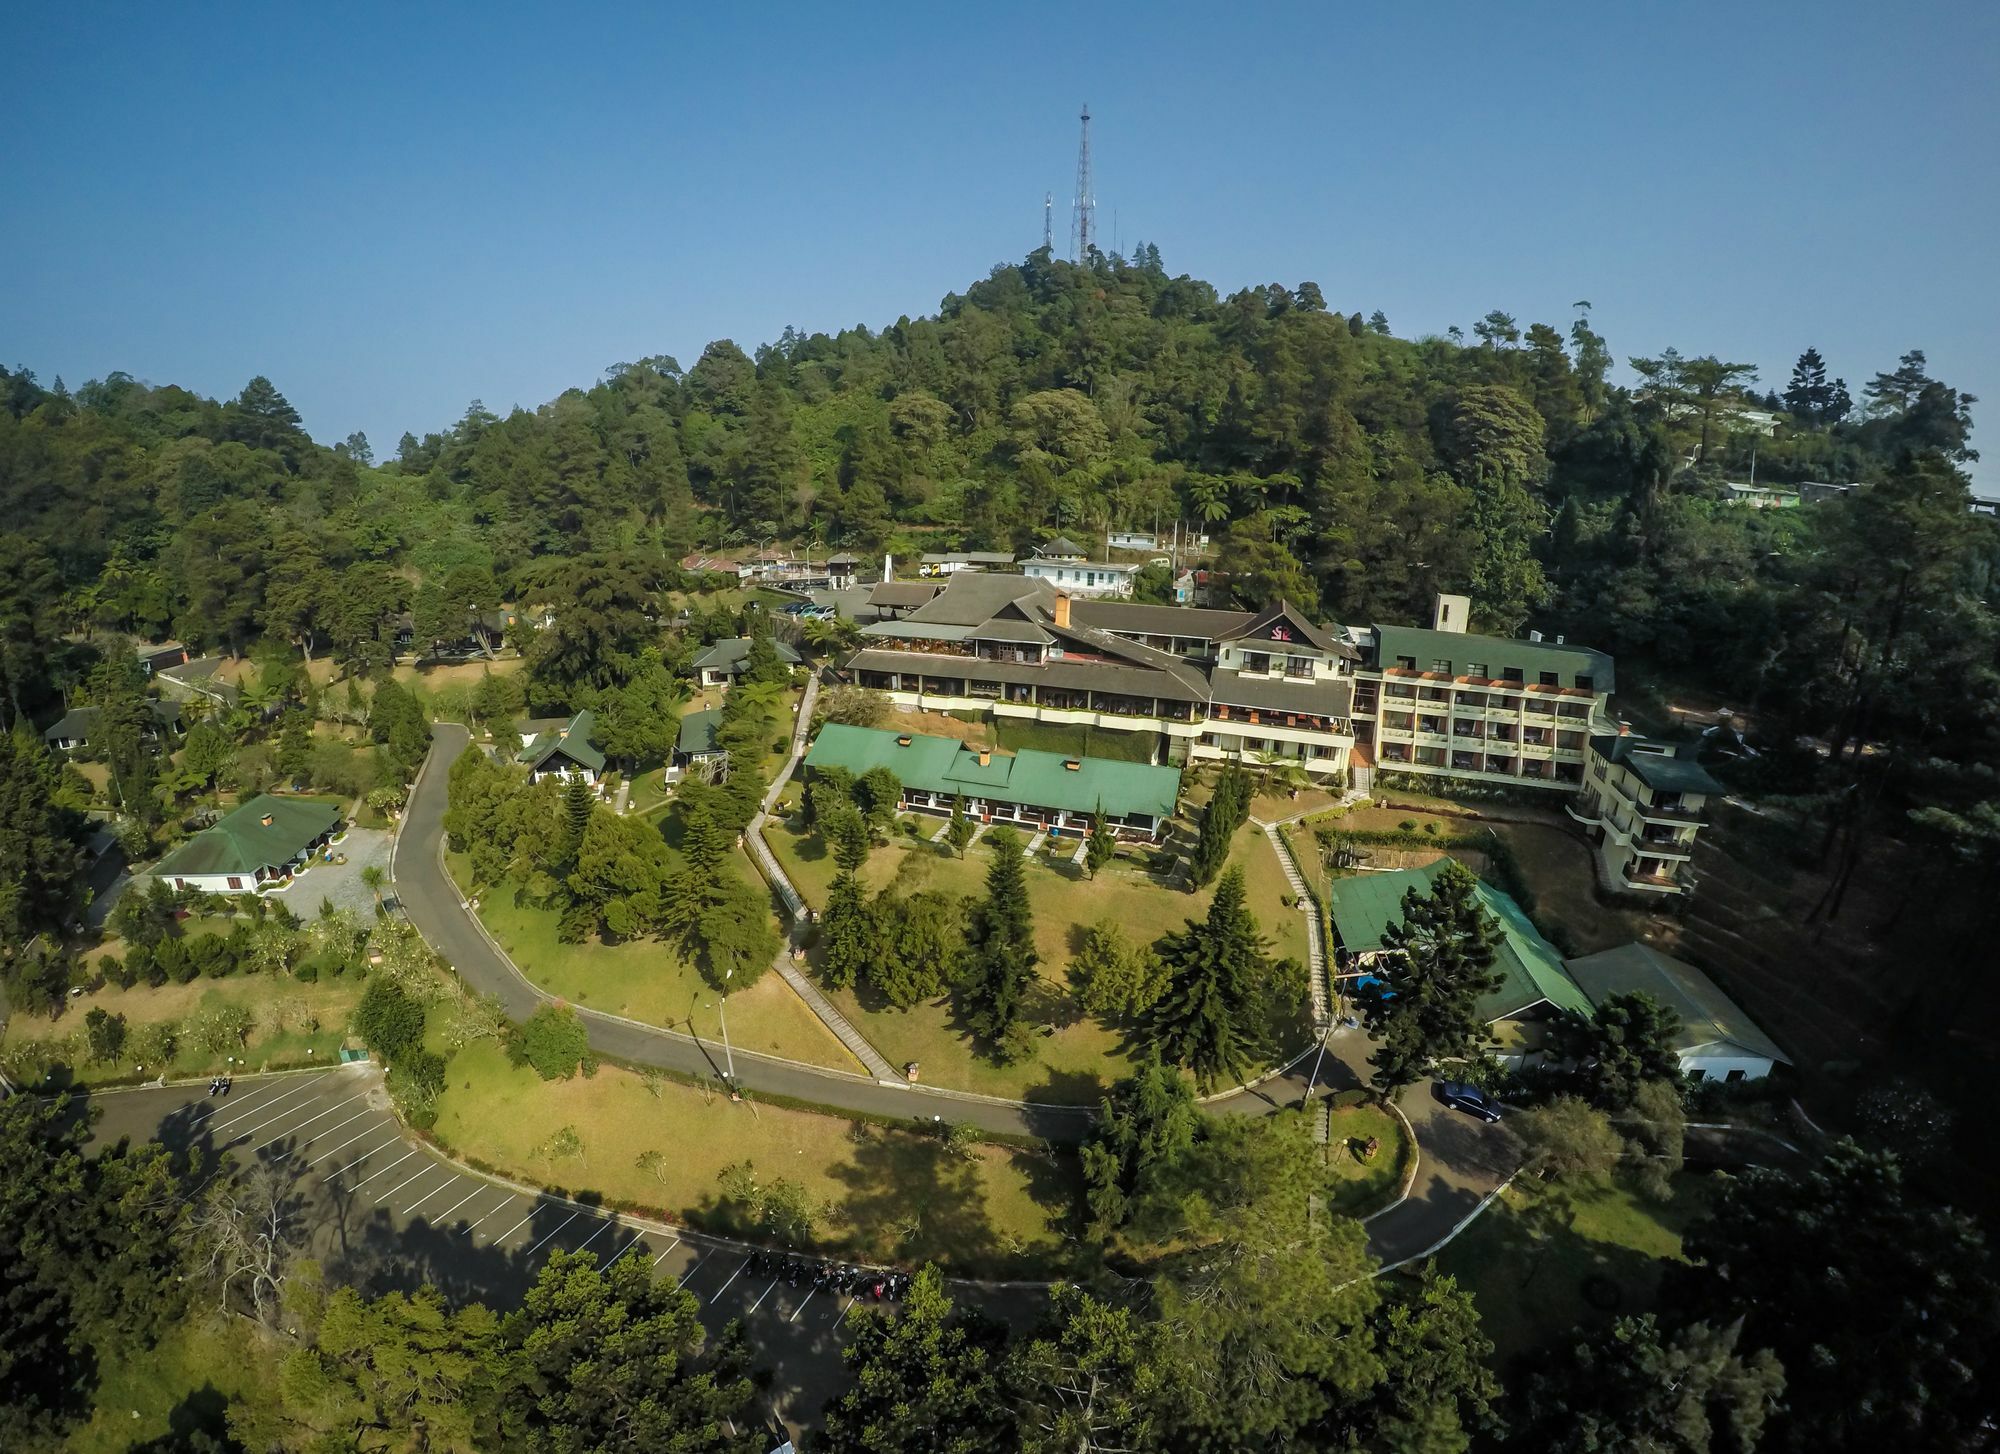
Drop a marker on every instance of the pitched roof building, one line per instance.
(562, 747)
(722, 663)
(1040, 791)
(1716, 1040)
(260, 843)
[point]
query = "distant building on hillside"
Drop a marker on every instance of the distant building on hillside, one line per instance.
(258, 846)
(1642, 800)
(723, 662)
(1716, 1040)
(555, 747)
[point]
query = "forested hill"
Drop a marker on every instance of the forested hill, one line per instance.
(1347, 469)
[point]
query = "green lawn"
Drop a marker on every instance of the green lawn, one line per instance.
(183, 1382)
(883, 1193)
(292, 1024)
(1534, 1261)
(1363, 1183)
(649, 981)
(1077, 1057)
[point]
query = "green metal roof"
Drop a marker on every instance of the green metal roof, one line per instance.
(1710, 1020)
(572, 739)
(1495, 654)
(729, 654)
(1030, 777)
(1368, 903)
(698, 731)
(242, 842)
(1667, 767)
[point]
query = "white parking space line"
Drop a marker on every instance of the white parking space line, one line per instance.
(245, 1113)
(635, 1242)
(517, 1226)
(760, 1298)
(732, 1277)
(608, 1222)
(537, 1247)
(846, 1308)
(361, 1135)
(411, 1209)
(663, 1256)
(477, 1188)
(294, 1130)
(506, 1200)
(419, 1174)
(380, 1170)
(799, 1309)
(392, 1141)
(692, 1270)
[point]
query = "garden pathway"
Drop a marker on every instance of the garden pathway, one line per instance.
(1315, 930)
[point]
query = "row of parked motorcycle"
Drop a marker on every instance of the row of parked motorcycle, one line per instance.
(878, 1284)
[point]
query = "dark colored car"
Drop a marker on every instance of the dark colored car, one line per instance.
(1469, 1099)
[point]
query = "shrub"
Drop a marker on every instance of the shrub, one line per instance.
(388, 1020)
(553, 1041)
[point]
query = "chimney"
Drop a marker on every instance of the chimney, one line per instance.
(888, 566)
(1450, 613)
(985, 757)
(1534, 636)
(904, 740)
(265, 820)
(1062, 610)
(1559, 640)
(1070, 764)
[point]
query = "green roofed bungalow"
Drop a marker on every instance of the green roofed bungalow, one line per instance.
(1533, 981)
(258, 845)
(1039, 791)
(561, 747)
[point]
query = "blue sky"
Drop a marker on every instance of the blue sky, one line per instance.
(394, 209)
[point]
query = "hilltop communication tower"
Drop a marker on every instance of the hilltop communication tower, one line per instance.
(1049, 222)
(1082, 219)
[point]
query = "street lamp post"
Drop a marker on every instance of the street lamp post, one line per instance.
(722, 1014)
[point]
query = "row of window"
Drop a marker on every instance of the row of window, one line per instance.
(1512, 675)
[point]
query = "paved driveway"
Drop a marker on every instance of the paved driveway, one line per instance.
(341, 882)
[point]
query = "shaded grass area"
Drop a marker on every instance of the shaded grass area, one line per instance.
(1077, 1057)
(1016, 734)
(181, 1385)
(1556, 868)
(1362, 1182)
(1550, 1267)
(653, 982)
(881, 1193)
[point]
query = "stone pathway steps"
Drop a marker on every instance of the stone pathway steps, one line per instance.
(1315, 939)
(842, 1028)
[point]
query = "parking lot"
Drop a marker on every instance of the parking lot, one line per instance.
(382, 1211)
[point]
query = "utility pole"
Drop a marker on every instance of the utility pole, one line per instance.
(1082, 221)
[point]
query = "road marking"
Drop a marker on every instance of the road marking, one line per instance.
(516, 1227)
(504, 1201)
(263, 1106)
(663, 1256)
(425, 1170)
(329, 1155)
(845, 1310)
(635, 1242)
(477, 1188)
(411, 1209)
(732, 1277)
(799, 1309)
(392, 1141)
(566, 1221)
(692, 1270)
(380, 1169)
(760, 1298)
(305, 1123)
(607, 1222)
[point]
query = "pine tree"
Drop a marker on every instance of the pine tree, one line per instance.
(1436, 963)
(1000, 961)
(847, 932)
(1103, 845)
(958, 833)
(1218, 984)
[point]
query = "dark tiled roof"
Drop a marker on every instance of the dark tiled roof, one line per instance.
(1283, 623)
(1710, 1020)
(895, 595)
(1277, 694)
(698, 731)
(1667, 767)
(571, 739)
(729, 654)
(1115, 677)
(1061, 546)
(1137, 619)
(973, 600)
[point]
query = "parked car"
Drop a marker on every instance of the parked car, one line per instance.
(1469, 1099)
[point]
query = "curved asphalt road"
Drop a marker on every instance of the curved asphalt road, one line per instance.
(1460, 1161)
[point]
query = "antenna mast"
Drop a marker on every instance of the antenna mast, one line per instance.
(1049, 223)
(1082, 220)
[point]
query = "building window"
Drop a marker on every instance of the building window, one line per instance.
(1406, 663)
(235, 882)
(1438, 665)
(1511, 675)
(1257, 661)
(1298, 666)
(1549, 679)
(1586, 683)
(1475, 668)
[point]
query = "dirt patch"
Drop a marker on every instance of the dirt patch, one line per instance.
(941, 724)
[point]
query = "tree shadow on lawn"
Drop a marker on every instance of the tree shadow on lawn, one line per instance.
(907, 1196)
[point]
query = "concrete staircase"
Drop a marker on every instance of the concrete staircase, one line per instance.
(842, 1028)
(1322, 993)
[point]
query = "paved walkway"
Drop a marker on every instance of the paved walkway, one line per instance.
(1322, 996)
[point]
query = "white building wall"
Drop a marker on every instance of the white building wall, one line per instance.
(1718, 1067)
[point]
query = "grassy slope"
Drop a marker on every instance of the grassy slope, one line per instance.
(1080, 1057)
(1365, 1184)
(886, 1193)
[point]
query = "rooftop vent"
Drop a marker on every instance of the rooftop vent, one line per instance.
(1534, 636)
(1070, 764)
(265, 820)
(904, 740)
(985, 757)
